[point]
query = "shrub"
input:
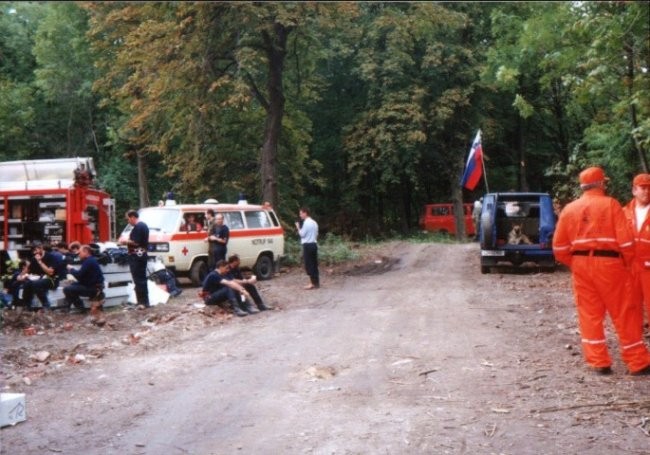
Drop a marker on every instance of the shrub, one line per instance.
(332, 249)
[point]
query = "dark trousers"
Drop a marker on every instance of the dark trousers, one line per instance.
(211, 261)
(39, 288)
(74, 291)
(224, 294)
(138, 267)
(255, 295)
(218, 253)
(310, 255)
(14, 290)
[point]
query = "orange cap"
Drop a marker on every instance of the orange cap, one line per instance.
(592, 175)
(641, 180)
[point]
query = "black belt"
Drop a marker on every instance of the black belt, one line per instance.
(602, 253)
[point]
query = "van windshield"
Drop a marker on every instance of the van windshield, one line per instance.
(160, 219)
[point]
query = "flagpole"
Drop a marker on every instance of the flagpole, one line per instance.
(487, 188)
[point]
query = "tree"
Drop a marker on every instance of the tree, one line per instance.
(64, 75)
(190, 80)
(614, 85)
(18, 101)
(417, 78)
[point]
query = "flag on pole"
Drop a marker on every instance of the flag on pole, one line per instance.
(474, 166)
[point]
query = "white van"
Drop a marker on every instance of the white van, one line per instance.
(255, 235)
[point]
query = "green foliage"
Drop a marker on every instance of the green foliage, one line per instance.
(17, 119)
(363, 111)
(431, 237)
(332, 249)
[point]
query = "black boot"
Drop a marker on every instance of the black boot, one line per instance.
(142, 298)
(248, 306)
(261, 306)
(236, 309)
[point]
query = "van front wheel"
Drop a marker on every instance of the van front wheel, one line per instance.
(198, 272)
(264, 267)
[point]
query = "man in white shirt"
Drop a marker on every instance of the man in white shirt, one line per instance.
(308, 238)
(636, 213)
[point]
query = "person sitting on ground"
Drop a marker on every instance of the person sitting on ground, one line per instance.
(90, 281)
(217, 288)
(237, 274)
(50, 267)
(191, 225)
(166, 277)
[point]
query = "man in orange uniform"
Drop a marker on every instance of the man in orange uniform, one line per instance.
(593, 238)
(637, 215)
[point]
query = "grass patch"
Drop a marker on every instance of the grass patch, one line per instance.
(433, 237)
(333, 249)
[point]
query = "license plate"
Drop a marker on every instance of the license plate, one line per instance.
(493, 253)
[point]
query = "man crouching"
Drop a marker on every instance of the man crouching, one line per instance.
(217, 288)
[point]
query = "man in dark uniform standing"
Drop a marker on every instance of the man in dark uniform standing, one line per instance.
(218, 238)
(137, 244)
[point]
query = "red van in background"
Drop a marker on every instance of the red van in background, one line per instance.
(441, 218)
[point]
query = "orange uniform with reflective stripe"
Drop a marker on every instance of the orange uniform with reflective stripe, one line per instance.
(641, 264)
(595, 224)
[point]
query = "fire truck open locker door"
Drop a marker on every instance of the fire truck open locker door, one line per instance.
(52, 201)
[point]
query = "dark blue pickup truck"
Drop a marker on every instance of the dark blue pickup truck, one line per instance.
(516, 228)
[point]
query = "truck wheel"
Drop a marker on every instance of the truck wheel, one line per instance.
(485, 269)
(198, 272)
(264, 267)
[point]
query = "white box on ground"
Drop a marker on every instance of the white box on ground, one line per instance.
(12, 408)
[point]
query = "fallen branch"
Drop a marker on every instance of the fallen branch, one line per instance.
(424, 373)
(641, 404)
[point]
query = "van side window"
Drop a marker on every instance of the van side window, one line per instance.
(233, 220)
(440, 211)
(257, 219)
(192, 222)
(274, 219)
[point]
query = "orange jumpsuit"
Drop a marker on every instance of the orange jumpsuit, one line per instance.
(593, 238)
(641, 264)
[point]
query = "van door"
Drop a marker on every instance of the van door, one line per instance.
(546, 221)
(488, 233)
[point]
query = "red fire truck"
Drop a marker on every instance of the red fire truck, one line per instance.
(52, 201)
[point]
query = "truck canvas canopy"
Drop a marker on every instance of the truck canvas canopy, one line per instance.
(41, 174)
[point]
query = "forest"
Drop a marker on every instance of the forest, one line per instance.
(362, 111)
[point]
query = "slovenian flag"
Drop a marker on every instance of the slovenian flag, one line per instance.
(474, 166)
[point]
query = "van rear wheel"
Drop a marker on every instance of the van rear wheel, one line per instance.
(198, 272)
(264, 267)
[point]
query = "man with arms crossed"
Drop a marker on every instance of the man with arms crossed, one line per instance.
(637, 215)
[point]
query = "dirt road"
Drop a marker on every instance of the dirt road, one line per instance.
(411, 351)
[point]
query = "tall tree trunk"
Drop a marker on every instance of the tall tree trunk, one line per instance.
(643, 159)
(523, 182)
(457, 198)
(143, 184)
(407, 203)
(276, 51)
